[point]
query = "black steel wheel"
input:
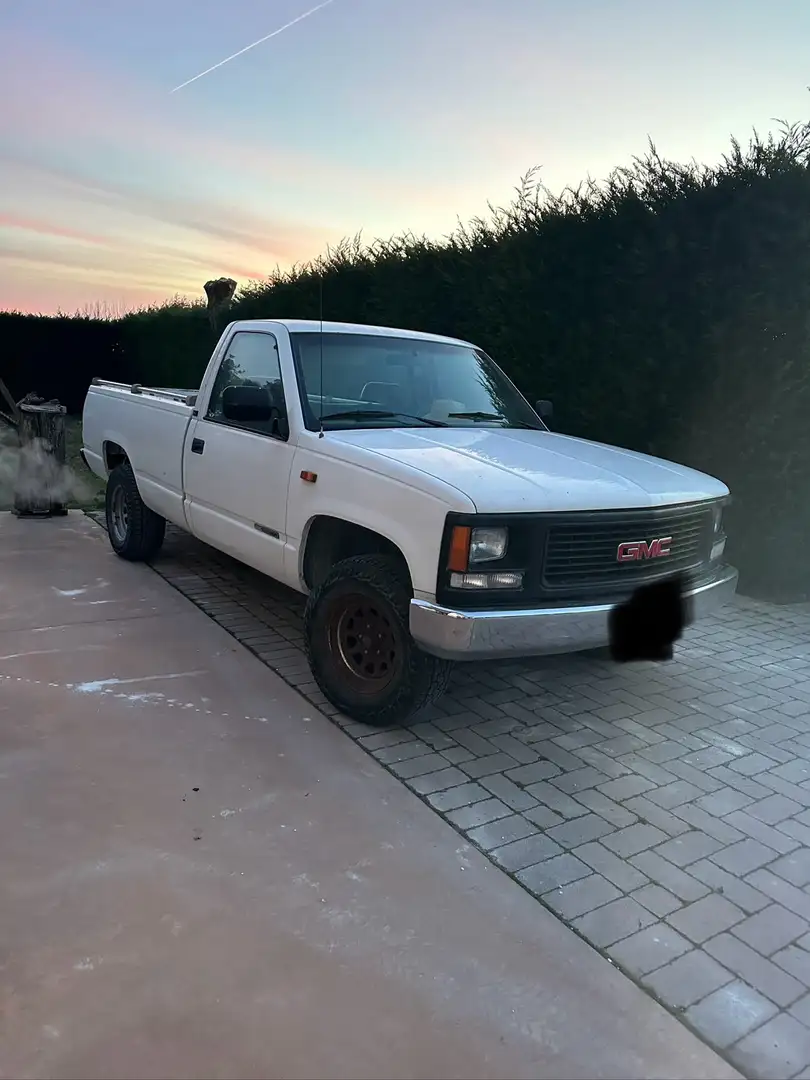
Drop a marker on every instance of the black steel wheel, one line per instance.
(136, 533)
(360, 648)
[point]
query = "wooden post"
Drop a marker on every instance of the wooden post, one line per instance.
(41, 488)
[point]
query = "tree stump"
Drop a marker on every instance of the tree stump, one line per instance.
(219, 293)
(42, 486)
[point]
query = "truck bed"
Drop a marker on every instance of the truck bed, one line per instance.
(149, 424)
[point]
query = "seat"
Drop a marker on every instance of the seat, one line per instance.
(387, 394)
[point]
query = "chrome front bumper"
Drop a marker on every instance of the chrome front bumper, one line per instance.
(474, 635)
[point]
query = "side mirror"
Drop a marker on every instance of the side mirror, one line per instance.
(247, 404)
(545, 410)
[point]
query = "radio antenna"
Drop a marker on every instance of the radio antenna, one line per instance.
(320, 336)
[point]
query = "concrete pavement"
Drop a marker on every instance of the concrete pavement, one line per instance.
(662, 810)
(201, 877)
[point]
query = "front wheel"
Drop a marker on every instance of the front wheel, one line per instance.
(360, 648)
(136, 532)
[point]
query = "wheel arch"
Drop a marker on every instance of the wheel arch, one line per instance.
(328, 540)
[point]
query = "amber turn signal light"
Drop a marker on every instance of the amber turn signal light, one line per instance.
(459, 554)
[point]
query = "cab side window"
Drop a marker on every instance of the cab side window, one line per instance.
(251, 360)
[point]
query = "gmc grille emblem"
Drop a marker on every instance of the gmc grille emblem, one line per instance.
(635, 550)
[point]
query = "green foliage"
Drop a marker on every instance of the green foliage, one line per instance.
(666, 310)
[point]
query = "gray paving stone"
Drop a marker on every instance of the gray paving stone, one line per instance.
(462, 795)
(663, 751)
(543, 817)
(796, 961)
(531, 774)
(688, 979)
(777, 1049)
(508, 792)
(773, 838)
(525, 852)
(553, 874)
(580, 830)
(579, 780)
(801, 1010)
(556, 800)
(428, 783)
(723, 802)
(743, 857)
(730, 1013)
(649, 949)
(686, 849)
(650, 770)
(774, 808)
(796, 831)
(795, 900)
(468, 817)
(656, 899)
(616, 870)
(706, 918)
(488, 766)
(382, 739)
(770, 929)
(581, 896)
(752, 764)
(618, 816)
(679, 882)
(614, 921)
(634, 839)
(770, 980)
(418, 766)
(650, 814)
(706, 781)
(456, 755)
(401, 750)
(515, 748)
(625, 787)
(674, 794)
(794, 867)
(501, 832)
(735, 890)
(603, 762)
(715, 827)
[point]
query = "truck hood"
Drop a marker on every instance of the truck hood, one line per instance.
(516, 470)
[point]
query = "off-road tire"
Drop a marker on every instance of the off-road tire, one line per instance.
(416, 678)
(136, 532)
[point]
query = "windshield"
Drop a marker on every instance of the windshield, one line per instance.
(374, 381)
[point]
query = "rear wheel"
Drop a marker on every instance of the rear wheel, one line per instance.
(360, 648)
(136, 532)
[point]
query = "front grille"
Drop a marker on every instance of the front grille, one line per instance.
(581, 549)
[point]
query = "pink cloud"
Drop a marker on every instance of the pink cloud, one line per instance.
(48, 229)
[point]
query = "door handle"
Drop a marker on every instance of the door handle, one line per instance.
(197, 446)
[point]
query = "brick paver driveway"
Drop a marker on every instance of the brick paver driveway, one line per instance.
(662, 811)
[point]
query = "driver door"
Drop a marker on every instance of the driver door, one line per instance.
(236, 474)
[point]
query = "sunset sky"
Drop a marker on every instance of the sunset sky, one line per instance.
(377, 115)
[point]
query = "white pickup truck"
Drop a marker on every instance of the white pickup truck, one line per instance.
(403, 483)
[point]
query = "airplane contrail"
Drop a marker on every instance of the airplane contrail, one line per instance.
(247, 48)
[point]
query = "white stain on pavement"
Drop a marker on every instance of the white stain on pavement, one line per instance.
(101, 685)
(153, 698)
(49, 652)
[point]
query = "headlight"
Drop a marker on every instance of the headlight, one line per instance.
(718, 536)
(717, 519)
(487, 544)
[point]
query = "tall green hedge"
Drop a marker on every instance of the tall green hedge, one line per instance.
(666, 310)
